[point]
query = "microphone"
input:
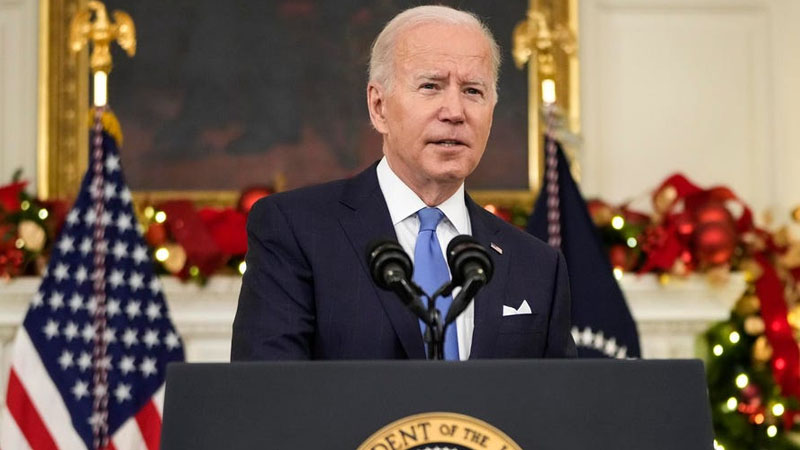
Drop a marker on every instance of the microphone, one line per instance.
(470, 267)
(391, 269)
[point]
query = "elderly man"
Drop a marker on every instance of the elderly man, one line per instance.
(307, 292)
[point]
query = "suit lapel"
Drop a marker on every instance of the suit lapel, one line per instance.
(489, 301)
(366, 218)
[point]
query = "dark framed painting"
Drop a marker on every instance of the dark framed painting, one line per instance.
(221, 96)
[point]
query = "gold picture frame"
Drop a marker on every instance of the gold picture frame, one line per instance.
(63, 138)
(62, 155)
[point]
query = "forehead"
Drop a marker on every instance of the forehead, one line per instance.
(439, 46)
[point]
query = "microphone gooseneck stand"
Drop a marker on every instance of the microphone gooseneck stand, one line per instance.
(434, 331)
(470, 265)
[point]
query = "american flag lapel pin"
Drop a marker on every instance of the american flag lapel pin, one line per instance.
(496, 248)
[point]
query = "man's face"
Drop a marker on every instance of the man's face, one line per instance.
(436, 117)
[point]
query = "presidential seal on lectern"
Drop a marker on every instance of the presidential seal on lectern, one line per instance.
(439, 431)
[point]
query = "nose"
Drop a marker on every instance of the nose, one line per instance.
(452, 108)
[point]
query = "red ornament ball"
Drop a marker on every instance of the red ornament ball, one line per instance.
(713, 212)
(503, 213)
(251, 195)
(714, 242)
(621, 256)
(156, 234)
(751, 394)
(600, 212)
(684, 225)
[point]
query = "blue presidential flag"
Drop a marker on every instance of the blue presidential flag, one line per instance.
(602, 325)
(89, 362)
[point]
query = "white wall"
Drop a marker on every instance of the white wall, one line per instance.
(706, 87)
(786, 94)
(18, 87)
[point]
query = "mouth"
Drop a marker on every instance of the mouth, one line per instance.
(448, 142)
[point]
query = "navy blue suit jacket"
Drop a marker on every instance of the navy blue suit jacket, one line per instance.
(307, 292)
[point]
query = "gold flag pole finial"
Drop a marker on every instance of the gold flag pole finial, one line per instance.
(535, 43)
(533, 36)
(102, 32)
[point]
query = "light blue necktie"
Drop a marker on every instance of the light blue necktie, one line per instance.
(430, 272)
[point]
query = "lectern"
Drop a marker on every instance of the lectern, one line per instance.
(393, 405)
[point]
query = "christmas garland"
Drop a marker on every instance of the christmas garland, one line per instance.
(753, 359)
(753, 362)
(27, 229)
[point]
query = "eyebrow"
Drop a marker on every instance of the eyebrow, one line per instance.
(438, 76)
(431, 76)
(475, 83)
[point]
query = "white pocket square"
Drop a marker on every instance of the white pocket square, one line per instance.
(524, 308)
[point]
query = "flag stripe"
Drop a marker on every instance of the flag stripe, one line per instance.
(128, 436)
(43, 393)
(11, 436)
(158, 399)
(26, 415)
(149, 421)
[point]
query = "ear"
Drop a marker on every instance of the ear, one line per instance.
(376, 104)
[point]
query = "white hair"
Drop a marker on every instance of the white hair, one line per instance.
(381, 61)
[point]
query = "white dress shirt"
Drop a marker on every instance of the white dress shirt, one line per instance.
(403, 205)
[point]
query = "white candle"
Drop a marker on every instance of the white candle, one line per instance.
(100, 88)
(548, 91)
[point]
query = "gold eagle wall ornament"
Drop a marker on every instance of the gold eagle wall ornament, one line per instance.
(533, 36)
(102, 33)
(523, 35)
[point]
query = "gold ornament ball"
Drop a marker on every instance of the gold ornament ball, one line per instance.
(796, 214)
(680, 269)
(793, 436)
(176, 259)
(604, 216)
(747, 305)
(752, 270)
(32, 234)
(601, 213)
(754, 326)
(794, 317)
(791, 257)
(718, 275)
(664, 199)
(762, 351)
(781, 237)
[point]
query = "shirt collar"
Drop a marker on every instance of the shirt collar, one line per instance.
(403, 202)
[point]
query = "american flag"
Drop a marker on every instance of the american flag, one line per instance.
(89, 361)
